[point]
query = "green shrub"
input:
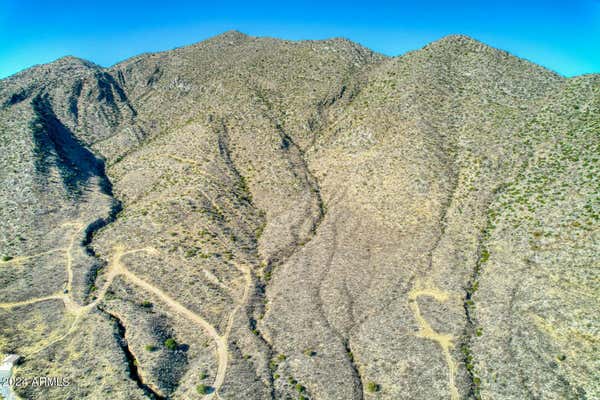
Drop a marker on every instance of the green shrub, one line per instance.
(146, 304)
(372, 387)
(267, 275)
(310, 352)
(6, 258)
(485, 256)
(171, 344)
(190, 253)
(202, 389)
(272, 365)
(151, 347)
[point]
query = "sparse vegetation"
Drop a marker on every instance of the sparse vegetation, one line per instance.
(303, 191)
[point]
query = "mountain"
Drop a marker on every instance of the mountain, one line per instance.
(268, 219)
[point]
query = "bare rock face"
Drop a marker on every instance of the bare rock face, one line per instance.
(257, 218)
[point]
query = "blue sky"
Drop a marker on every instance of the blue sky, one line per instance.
(563, 36)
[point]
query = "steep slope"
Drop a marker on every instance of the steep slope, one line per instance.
(406, 172)
(536, 298)
(55, 193)
(276, 219)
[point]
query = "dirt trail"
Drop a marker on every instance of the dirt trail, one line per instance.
(221, 341)
(71, 330)
(185, 312)
(116, 268)
(70, 304)
(425, 331)
(19, 259)
(248, 276)
(31, 301)
(67, 249)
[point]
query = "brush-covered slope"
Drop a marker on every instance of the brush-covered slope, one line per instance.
(257, 218)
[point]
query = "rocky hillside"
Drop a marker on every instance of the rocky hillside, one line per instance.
(252, 218)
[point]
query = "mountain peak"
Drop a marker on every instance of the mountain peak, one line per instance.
(73, 62)
(231, 35)
(457, 38)
(457, 42)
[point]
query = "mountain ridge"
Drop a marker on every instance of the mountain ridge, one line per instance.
(259, 218)
(241, 37)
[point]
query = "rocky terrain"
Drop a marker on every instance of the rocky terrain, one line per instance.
(253, 218)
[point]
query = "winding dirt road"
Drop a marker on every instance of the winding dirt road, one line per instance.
(116, 268)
